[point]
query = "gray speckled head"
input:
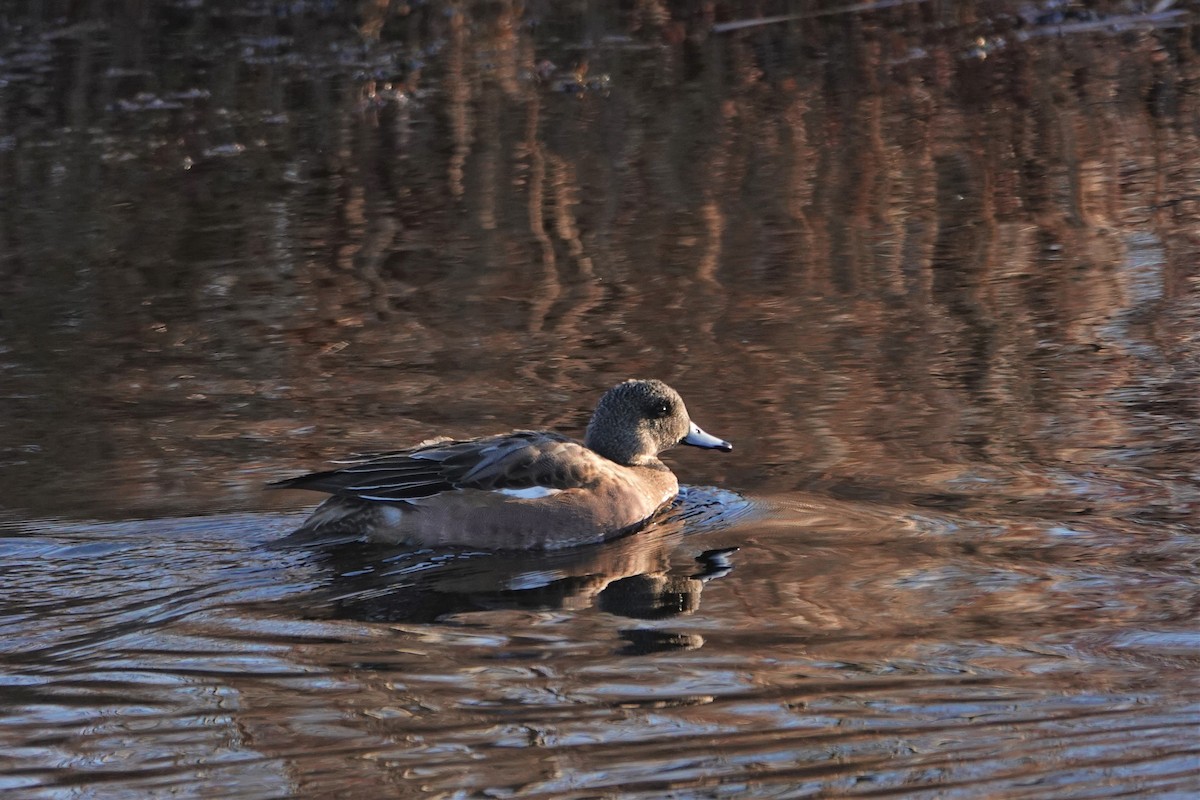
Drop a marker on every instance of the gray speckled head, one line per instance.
(636, 420)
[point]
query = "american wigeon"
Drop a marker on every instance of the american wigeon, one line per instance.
(523, 490)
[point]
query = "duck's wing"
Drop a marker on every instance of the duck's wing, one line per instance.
(518, 460)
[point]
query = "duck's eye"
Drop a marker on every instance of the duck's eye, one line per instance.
(660, 410)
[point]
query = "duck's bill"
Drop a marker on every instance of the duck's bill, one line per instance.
(698, 438)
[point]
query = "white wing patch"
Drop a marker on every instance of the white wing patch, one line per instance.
(532, 493)
(391, 515)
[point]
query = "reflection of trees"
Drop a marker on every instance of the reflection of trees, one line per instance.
(888, 255)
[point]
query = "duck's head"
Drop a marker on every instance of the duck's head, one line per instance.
(638, 419)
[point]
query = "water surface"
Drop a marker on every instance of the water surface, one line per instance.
(931, 268)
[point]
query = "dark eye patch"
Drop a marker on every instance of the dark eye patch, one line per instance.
(660, 409)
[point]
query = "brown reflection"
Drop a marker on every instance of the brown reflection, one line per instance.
(866, 246)
(549, 289)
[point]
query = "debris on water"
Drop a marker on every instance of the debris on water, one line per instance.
(571, 81)
(1063, 17)
(145, 101)
(149, 101)
(225, 150)
(741, 24)
(376, 94)
(985, 46)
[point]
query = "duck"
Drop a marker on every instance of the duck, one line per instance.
(523, 490)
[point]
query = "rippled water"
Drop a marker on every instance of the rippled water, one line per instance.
(931, 267)
(864, 651)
